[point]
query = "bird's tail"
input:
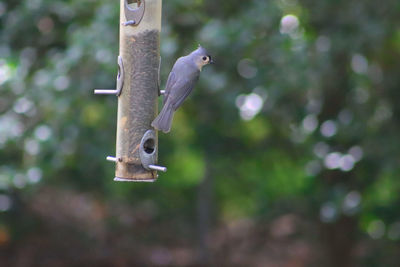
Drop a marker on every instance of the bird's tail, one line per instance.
(164, 119)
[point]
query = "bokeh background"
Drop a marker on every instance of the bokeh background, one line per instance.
(286, 154)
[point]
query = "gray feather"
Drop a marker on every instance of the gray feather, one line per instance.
(182, 92)
(181, 81)
(180, 84)
(170, 83)
(163, 121)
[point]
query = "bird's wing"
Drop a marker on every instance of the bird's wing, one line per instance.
(181, 90)
(170, 83)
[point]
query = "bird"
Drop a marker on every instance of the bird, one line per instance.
(180, 83)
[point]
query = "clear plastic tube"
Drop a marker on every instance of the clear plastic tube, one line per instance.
(137, 104)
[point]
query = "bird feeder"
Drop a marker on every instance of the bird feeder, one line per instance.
(138, 89)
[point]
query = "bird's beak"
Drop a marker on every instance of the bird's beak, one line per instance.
(211, 61)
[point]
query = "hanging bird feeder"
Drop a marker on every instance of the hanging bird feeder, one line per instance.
(137, 90)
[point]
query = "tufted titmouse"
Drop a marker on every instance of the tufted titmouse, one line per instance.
(183, 77)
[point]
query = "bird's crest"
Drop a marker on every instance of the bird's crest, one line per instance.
(201, 50)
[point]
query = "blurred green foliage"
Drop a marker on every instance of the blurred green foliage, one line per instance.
(299, 116)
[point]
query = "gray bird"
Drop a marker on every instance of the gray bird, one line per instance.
(183, 77)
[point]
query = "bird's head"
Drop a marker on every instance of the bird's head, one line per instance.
(201, 57)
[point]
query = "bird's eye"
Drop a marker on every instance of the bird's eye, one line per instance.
(205, 58)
